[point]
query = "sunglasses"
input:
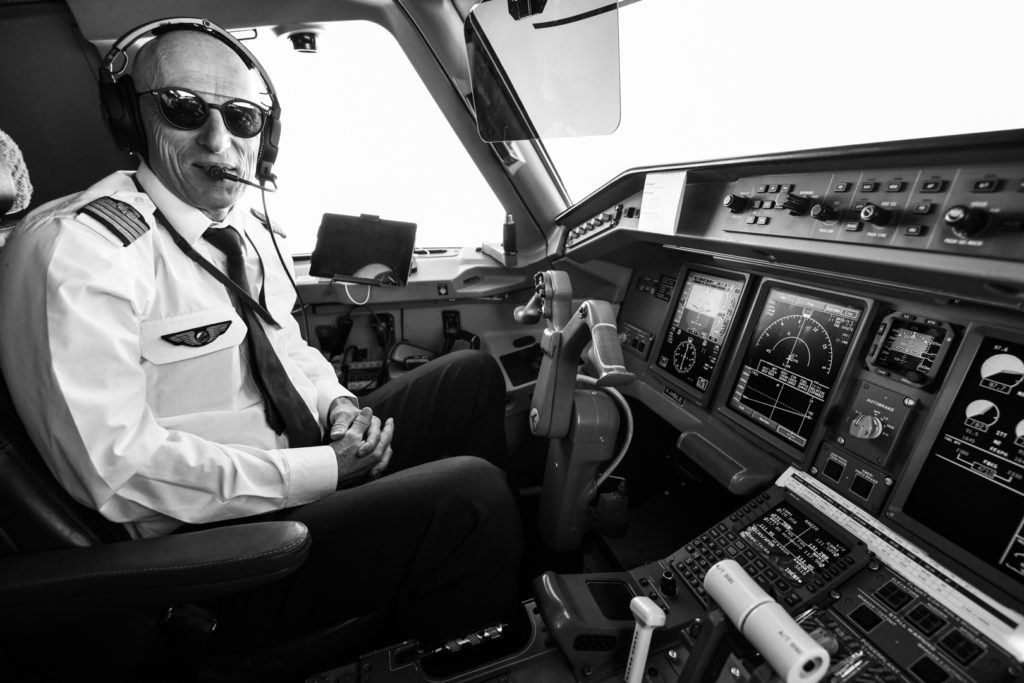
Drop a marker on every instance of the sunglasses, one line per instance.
(186, 110)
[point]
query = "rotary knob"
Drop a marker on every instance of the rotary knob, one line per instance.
(823, 212)
(668, 583)
(795, 204)
(866, 426)
(965, 221)
(735, 203)
(876, 215)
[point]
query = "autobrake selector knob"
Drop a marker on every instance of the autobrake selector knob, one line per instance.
(965, 221)
(823, 212)
(735, 203)
(876, 215)
(866, 426)
(795, 204)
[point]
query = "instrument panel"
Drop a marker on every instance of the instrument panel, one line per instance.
(856, 316)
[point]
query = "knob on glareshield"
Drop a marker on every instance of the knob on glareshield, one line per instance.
(795, 204)
(876, 215)
(965, 221)
(735, 203)
(823, 212)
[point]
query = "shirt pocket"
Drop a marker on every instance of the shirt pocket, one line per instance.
(184, 337)
(195, 363)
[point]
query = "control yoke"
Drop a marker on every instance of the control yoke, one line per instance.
(563, 343)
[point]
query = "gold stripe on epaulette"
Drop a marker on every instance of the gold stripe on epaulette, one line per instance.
(119, 217)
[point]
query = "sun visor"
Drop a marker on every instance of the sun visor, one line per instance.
(550, 74)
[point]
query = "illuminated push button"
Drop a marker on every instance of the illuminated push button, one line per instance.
(866, 427)
(933, 186)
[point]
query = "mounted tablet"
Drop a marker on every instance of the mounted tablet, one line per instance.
(363, 249)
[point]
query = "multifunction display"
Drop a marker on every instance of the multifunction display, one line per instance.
(792, 361)
(970, 489)
(797, 547)
(911, 348)
(699, 328)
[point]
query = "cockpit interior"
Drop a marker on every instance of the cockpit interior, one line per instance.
(765, 408)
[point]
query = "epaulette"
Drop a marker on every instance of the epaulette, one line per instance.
(119, 217)
(270, 225)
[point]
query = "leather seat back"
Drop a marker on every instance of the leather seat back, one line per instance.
(36, 513)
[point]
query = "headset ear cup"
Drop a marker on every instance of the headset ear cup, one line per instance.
(135, 133)
(121, 107)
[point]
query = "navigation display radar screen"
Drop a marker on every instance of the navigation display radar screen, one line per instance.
(797, 547)
(791, 363)
(970, 489)
(699, 328)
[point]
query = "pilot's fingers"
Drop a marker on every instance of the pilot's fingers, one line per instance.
(379, 468)
(387, 433)
(343, 419)
(356, 431)
(371, 438)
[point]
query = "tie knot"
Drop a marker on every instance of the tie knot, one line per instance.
(226, 239)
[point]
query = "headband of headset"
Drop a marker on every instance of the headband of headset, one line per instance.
(121, 104)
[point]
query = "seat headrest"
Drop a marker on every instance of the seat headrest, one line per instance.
(15, 186)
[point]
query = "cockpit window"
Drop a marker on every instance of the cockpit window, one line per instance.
(716, 80)
(361, 134)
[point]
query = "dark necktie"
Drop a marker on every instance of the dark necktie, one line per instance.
(286, 411)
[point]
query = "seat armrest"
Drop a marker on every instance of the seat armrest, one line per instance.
(148, 574)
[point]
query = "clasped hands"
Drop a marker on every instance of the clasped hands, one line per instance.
(360, 441)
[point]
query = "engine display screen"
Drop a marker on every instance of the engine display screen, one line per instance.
(976, 465)
(791, 363)
(909, 345)
(699, 328)
(912, 349)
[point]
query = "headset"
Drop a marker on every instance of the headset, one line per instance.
(121, 104)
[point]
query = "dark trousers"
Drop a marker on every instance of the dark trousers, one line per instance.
(434, 545)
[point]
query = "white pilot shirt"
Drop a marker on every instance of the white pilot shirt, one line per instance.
(149, 432)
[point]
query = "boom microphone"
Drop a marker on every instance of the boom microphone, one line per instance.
(221, 173)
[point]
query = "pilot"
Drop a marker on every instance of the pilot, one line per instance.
(166, 397)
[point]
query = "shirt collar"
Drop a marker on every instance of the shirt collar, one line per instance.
(189, 221)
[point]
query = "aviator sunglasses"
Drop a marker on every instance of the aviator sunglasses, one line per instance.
(186, 110)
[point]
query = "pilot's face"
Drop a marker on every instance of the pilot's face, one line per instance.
(210, 69)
